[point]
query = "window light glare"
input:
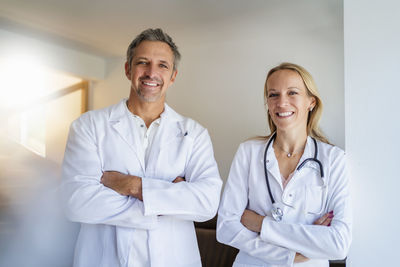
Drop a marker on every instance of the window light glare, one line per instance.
(22, 81)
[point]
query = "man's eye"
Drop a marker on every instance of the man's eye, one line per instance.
(163, 66)
(141, 63)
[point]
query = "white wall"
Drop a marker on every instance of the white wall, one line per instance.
(223, 68)
(372, 56)
(113, 88)
(54, 56)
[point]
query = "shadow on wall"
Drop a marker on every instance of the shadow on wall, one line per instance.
(33, 229)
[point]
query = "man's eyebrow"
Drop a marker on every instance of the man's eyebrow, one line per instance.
(164, 61)
(145, 58)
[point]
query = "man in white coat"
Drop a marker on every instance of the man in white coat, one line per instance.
(137, 174)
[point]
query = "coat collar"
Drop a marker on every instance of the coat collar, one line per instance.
(272, 162)
(170, 127)
(120, 111)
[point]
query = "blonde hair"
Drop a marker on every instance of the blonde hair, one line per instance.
(314, 116)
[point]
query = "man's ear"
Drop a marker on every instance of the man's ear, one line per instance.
(127, 70)
(173, 76)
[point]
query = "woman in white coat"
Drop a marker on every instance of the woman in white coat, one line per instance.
(315, 225)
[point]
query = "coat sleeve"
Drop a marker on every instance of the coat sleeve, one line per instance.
(196, 199)
(86, 199)
(319, 242)
(231, 231)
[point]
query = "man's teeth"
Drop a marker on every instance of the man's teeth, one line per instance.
(285, 114)
(150, 84)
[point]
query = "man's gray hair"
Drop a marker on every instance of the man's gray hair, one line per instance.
(153, 35)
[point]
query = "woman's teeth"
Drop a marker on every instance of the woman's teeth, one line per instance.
(285, 114)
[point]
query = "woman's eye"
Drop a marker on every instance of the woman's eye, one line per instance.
(292, 93)
(272, 95)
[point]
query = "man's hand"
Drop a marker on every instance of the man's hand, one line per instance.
(300, 258)
(252, 220)
(127, 185)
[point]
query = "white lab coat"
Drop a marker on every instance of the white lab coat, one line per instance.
(105, 140)
(307, 197)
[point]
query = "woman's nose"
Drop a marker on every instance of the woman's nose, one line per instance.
(282, 100)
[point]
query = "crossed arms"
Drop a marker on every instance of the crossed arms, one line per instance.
(94, 197)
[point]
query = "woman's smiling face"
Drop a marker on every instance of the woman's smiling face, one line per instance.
(288, 101)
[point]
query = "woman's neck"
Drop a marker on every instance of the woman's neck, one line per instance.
(290, 141)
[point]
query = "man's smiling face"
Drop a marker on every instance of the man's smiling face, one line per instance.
(151, 71)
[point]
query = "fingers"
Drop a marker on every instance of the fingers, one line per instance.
(110, 175)
(179, 179)
(111, 178)
(325, 220)
(104, 177)
(300, 258)
(252, 220)
(247, 214)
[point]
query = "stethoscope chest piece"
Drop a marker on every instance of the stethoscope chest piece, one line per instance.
(276, 212)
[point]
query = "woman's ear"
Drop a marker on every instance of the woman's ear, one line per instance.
(312, 104)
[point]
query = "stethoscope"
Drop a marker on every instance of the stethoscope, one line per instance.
(276, 211)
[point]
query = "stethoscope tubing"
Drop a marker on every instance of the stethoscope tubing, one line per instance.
(265, 168)
(301, 165)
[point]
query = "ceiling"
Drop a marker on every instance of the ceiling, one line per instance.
(108, 26)
(105, 27)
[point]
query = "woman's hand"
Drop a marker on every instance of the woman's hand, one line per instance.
(252, 220)
(325, 220)
(179, 179)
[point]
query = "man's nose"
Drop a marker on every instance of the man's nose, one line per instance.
(150, 71)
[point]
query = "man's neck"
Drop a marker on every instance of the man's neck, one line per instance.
(148, 111)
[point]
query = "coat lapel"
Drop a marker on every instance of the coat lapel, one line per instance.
(169, 131)
(126, 129)
(272, 162)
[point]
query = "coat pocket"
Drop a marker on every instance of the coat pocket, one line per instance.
(315, 199)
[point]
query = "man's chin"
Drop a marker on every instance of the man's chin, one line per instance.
(150, 99)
